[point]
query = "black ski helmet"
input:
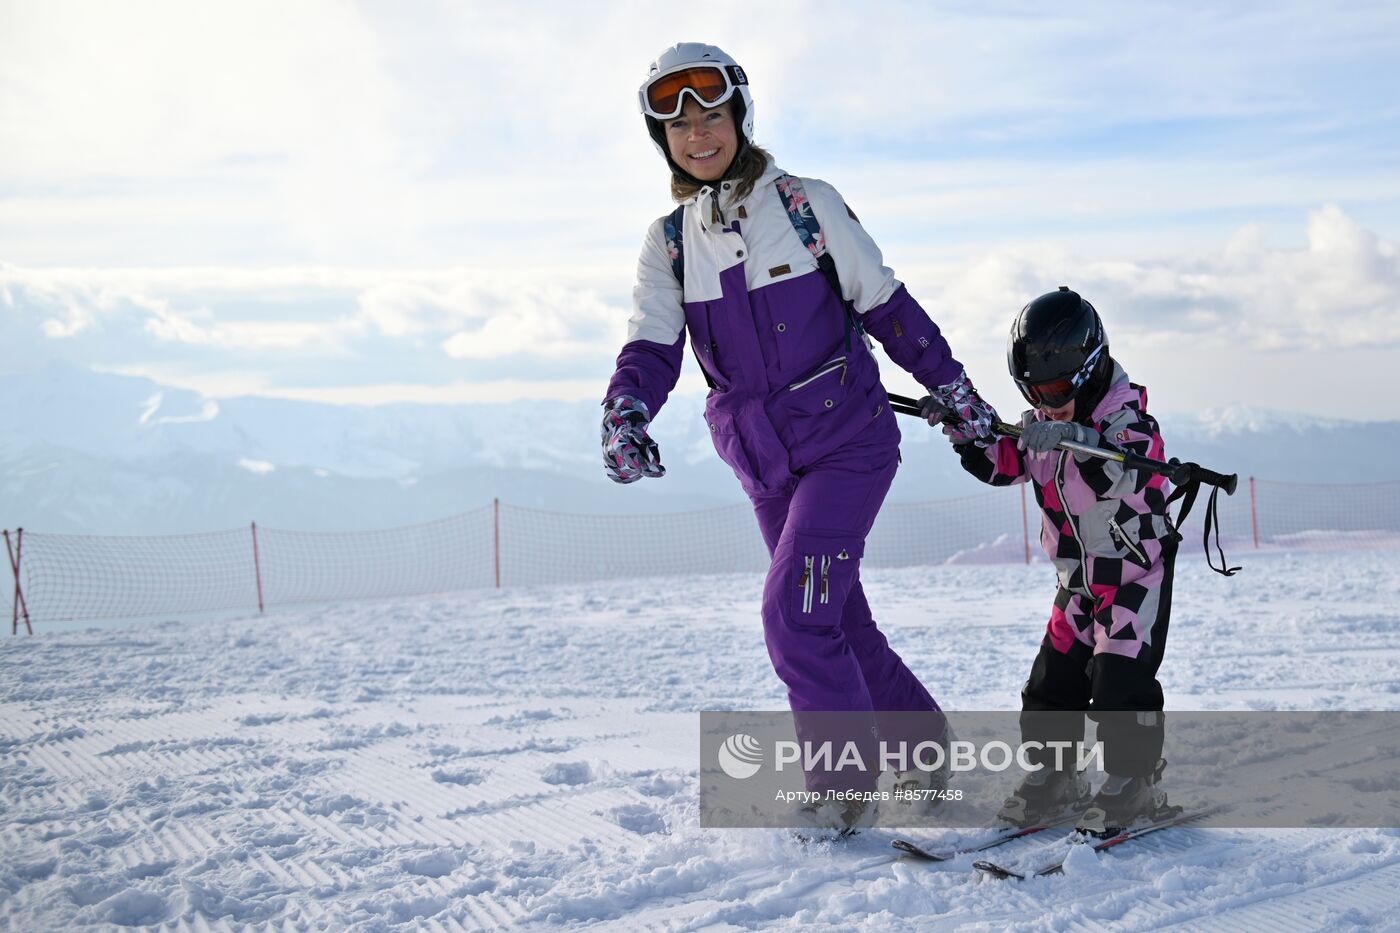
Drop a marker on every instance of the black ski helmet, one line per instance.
(1058, 350)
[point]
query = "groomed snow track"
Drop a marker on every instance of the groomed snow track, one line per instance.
(527, 759)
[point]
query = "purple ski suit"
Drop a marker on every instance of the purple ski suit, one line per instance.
(797, 411)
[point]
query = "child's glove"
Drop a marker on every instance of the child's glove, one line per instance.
(966, 417)
(629, 453)
(1041, 437)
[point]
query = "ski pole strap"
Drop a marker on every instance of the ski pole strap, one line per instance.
(1212, 518)
(1187, 492)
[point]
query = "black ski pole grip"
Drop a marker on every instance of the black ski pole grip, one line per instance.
(1182, 473)
(904, 405)
(1176, 471)
(1212, 478)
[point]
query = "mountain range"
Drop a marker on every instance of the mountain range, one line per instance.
(101, 453)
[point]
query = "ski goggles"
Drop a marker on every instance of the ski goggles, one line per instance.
(711, 85)
(1060, 392)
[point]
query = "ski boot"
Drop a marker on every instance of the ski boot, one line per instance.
(1045, 795)
(829, 820)
(916, 793)
(1122, 801)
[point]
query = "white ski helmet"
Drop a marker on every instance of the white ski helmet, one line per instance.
(706, 73)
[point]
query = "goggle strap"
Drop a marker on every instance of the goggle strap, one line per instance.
(734, 73)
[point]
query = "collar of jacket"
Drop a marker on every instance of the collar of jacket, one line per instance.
(1120, 391)
(770, 174)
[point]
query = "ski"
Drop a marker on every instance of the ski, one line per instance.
(1057, 865)
(1004, 835)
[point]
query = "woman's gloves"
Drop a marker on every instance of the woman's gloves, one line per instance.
(966, 417)
(628, 452)
(1041, 437)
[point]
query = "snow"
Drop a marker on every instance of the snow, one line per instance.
(528, 758)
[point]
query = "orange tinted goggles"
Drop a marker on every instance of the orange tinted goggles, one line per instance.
(710, 84)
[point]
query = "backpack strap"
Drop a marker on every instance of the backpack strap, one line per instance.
(674, 228)
(809, 231)
(675, 242)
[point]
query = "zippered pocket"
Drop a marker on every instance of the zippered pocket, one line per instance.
(816, 580)
(806, 583)
(1120, 538)
(828, 367)
(828, 565)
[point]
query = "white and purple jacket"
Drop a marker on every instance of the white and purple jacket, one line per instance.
(792, 383)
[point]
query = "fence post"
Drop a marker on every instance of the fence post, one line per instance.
(20, 607)
(496, 537)
(1025, 524)
(1253, 513)
(257, 568)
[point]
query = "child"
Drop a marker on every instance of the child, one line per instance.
(1106, 530)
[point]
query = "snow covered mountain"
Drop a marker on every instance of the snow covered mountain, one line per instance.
(100, 453)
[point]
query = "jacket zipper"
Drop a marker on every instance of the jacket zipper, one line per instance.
(1126, 541)
(806, 584)
(839, 361)
(826, 567)
(1074, 528)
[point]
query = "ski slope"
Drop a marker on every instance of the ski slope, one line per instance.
(528, 758)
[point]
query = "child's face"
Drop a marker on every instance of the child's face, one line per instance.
(1063, 413)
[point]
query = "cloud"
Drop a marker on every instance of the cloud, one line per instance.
(75, 321)
(348, 201)
(308, 328)
(199, 329)
(284, 109)
(541, 321)
(1327, 285)
(343, 134)
(1339, 290)
(157, 88)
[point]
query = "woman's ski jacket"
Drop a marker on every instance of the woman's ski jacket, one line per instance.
(792, 380)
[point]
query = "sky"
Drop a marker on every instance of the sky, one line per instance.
(444, 202)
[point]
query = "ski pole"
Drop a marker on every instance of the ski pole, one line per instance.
(1175, 470)
(1186, 477)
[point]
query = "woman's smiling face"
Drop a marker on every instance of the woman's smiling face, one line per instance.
(703, 142)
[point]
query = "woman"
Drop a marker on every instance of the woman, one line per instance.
(774, 278)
